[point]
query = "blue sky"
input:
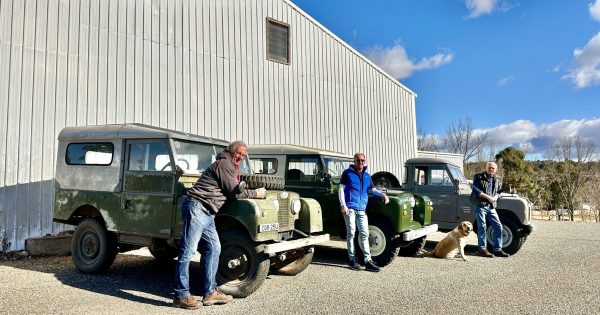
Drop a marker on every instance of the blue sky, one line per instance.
(527, 72)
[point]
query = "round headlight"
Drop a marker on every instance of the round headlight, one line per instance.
(296, 206)
(413, 202)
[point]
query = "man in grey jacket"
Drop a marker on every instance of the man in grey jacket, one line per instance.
(216, 185)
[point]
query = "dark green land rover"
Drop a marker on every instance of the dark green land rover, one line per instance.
(122, 186)
(401, 226)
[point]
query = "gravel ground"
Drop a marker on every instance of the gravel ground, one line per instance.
(556, 272)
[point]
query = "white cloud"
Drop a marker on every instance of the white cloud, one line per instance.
(536, 139)
(480, 7)
(395, 61)
(504, 81)
(586, 70)
(595, 10)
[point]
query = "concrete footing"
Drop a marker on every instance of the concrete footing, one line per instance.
(59, 245)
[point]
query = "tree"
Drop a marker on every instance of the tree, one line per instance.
(574, 169)
(518, 175)
(589, 192)
(426, 142)
(462, 139)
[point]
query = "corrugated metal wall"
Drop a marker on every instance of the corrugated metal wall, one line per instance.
(197, 66)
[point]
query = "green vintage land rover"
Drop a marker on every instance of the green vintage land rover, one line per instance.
(122, 186)
(399, 227)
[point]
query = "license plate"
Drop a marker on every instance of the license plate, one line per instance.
(268, 227)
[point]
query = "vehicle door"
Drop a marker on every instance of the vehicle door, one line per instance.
(304, 175)
(148, 184)
(435, 182)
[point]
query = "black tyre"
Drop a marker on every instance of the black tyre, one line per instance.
(385, 180)
(270, 182)
(411, 249)
(295, 265)
(93, 248)
(164, 253)
(513, 237)
(242, 268)
(381, 242)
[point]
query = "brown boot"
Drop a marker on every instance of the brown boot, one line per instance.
(501, 253)
(189, 303)
(216, 297)
(485, 253)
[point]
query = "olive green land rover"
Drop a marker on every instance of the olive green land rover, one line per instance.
(399, 227)
(122, 186)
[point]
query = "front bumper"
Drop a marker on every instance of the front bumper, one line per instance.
(414, 234)
(293, 244)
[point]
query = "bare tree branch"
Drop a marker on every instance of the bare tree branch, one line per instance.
(461, 139)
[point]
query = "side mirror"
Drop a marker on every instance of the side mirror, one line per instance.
(326, 177)
(242, 186)
(456, 182)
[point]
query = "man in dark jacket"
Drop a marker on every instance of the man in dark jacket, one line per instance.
(216, 185)
(354, 186)
(487, 187)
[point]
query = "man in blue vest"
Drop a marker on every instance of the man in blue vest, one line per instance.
(354, 186)
(487, 187)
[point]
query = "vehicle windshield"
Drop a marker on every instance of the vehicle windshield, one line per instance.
(335, 166)
(457, 173)
(195, 157)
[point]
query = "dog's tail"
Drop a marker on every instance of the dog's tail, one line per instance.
(425, 253)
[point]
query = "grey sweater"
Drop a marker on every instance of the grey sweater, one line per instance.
(219, 183)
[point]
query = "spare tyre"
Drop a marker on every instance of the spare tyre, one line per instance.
(270, 182)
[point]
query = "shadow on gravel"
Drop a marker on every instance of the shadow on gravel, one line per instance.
(135, 278)
(330, 256)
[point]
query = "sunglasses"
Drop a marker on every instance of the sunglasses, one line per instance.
(360, 160)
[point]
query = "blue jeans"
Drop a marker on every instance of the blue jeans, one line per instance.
(489, 214)
(357, 219)
(198, 227)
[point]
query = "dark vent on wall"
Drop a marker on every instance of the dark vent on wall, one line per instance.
(278, 41)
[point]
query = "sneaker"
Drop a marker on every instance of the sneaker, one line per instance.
(484, 253)
(189, 303)
(354, 265)
(501, 253)
(371, 266)
(216, 297)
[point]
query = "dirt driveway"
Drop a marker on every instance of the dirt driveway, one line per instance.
(556, 272)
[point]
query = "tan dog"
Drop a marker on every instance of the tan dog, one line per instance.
(453, 243)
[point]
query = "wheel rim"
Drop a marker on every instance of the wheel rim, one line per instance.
(383, 183)
(377, 241)
(507, 236)
(235, 264)
(89, 246)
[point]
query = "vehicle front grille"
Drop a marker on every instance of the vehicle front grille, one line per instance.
(286, 219)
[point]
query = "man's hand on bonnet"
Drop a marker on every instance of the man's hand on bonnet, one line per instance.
(261, 193)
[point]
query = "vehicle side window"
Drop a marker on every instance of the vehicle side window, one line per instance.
(263, 165)
(89, 154)
(439, 177)
(151, 156)
(421, 175)
(304, 168)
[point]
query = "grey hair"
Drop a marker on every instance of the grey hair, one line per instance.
(491, 163)
(232, 147)
(357, 154)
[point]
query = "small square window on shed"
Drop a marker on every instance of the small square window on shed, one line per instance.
(278, 41)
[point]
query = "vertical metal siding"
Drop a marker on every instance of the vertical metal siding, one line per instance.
(193, 65)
